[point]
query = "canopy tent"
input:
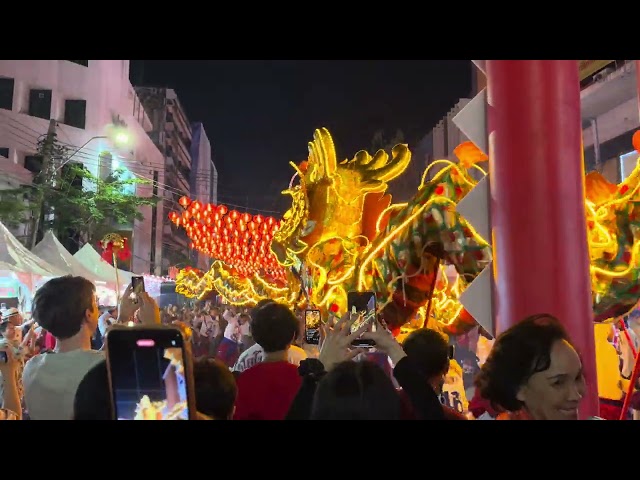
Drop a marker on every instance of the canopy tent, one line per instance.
(16, 258)
(93, 262)
(51, 250)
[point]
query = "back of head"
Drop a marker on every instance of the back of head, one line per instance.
(274, 327)
(216, 389)
(356, 391)
(429, 350)
(517, 354)
(93, 399)
(259, 305)
(60, 305)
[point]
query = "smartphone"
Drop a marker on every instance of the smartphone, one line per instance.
(3, 357)
(312, 327)
(150, 373)
(137, 285)
(362, 304)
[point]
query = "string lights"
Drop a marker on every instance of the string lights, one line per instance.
(342, 233)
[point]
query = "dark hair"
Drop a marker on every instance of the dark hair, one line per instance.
(259, 305)
(430, 351)
(356, 391)
(517, 354)
(274, 327)
(3, 325)
(215, 386)
(93, 399)
(60, 305)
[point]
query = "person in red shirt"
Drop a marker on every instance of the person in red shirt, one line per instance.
(266, 390)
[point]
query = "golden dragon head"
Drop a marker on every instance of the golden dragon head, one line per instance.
(329, 200)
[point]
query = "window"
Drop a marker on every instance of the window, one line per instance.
(84, 63)
(76, 182)
(628, 163)
(75, 113)
(6, 93)
(4, 152)
(33, 163)
(40, 103)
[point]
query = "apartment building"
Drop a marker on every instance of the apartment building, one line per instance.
(189, 169)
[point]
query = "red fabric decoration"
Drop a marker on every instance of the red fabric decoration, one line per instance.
(115, 244)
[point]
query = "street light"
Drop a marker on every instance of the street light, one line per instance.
(119, 136)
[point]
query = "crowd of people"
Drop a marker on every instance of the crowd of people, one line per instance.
(253, 364)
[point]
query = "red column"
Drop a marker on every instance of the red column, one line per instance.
(537, 201)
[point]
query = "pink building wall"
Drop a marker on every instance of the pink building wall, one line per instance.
(105, 86)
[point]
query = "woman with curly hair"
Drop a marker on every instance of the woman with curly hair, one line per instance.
(533, 372)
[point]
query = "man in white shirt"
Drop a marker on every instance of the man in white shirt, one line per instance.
(229, 349)
(106, 320)
(66, 307)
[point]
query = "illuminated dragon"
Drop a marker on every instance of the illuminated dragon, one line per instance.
(342, 233)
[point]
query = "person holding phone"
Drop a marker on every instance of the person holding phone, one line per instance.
(354, 400)
(67, 307)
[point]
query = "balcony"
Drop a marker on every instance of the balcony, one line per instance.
(137, 110)
(612, 91)
(175, 179)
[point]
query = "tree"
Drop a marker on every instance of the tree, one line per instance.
(13, 207)
(77, 203)
(89, 206)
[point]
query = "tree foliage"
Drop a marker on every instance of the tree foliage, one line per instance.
(13, 207)
(90, 206)
(75, 200)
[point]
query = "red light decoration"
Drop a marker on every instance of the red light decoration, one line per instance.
(241, 240)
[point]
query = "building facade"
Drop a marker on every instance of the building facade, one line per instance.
(610, 117)
(86, 98)
(609, 101)
(204, 176)
(171, 132)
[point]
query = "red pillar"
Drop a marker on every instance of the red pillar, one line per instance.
(537, 201)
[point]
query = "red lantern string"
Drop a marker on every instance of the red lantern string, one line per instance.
(239, 239)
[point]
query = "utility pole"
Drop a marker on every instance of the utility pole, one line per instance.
(45, 176)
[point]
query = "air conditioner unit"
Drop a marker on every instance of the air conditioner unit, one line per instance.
(601, 75)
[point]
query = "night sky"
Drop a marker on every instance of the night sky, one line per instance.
(260, 114)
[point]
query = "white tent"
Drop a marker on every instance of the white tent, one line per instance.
(51, 250)
(93, 262)
(16, 258)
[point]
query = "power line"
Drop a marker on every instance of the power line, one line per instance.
(90, 160)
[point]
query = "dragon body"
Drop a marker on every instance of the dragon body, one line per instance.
(342, 233)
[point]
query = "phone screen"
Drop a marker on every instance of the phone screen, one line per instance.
(362, 304)
(312, 327)
(137, 287)
(149, 377)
